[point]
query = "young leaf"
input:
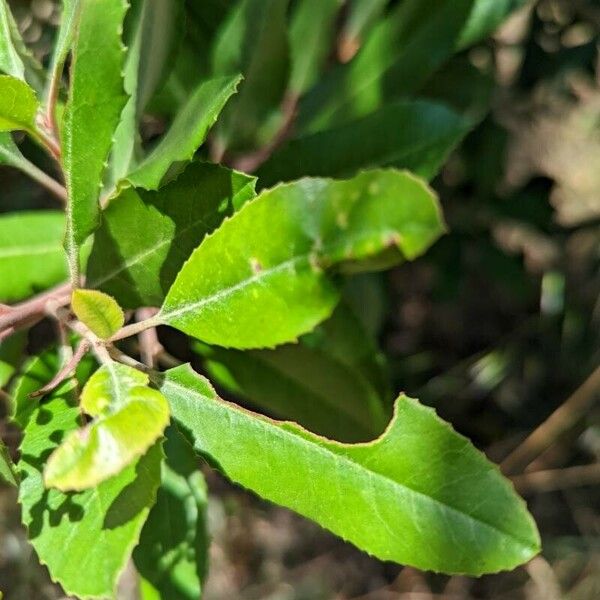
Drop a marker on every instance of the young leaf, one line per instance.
(253, 41)
(100, 526)
(173, 550)
(145, 237)
(261, 278)
(31, 254)
(303, 385)
(130, 418)
(420, 495)
(311, 37)
(96, 98)
(18, 105)
(187, 133)
(7, 471)
(99, 311)
(416, 135)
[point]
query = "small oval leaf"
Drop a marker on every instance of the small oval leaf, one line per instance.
(18, 105)
(99, 311)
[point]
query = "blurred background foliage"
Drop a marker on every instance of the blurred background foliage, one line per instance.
(496, 327)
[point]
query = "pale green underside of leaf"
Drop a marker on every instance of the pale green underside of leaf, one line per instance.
(7, 472)
(187, 133)
(96, 98)
(18, 104)
(31, 254)
(85, 539)
(146, 237)
(128, 418)
(260, 279)
(173, 551)
(419, 495)
(415, 135)
(98, 311)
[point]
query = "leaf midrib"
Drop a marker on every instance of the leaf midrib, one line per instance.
(23, 251)
(286, 434)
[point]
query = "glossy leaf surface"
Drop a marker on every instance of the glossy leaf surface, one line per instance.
(98, 311)
(96, 98)
(246, 287)
(31, 254)
(187, 133)
(415, 135)
(145, 237)
(18, 104)
(101, 526)
(129, 419)
(419, 495)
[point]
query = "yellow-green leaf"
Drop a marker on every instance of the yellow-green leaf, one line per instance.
(130, 417)
(99, 311)
(18, 105)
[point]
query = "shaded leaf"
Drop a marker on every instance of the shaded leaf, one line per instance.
(129, 419)
(98, 311)
(361, 16)
(31, 255)
(173, 550)
(415, 135)
(311, 34)
(96, 98)
(12, 351)
(187, 133)
(101, 526)
(419, 495)
(7, 470)
(253, 41)
(245, 287)
(18, 105)
(145, 237)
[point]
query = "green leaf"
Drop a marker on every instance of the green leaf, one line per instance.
(361, 16)
(145, 237)
(261, 279)
(96, 98)
(31, 255)
(151, 42)
(129, 420)
(253, 41)
(485, 17)
(69, 21)
(400, 53)
(311, 34)
(12, 350)
(7, 470)
(10, 59)
(187, 133)
(18, 105)
(420, 495)
(100, 312)
(173, 550)
(415, 135)
(101, 526)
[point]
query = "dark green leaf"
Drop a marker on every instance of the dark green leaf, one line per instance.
(7, 470)
(172, 555)
(146, 237)
(415, 135)
(12, 351)
(85, 539)
(253, 42)
(419, 495)
(261, 279)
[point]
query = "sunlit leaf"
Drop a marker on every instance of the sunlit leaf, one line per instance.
(100, 312)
